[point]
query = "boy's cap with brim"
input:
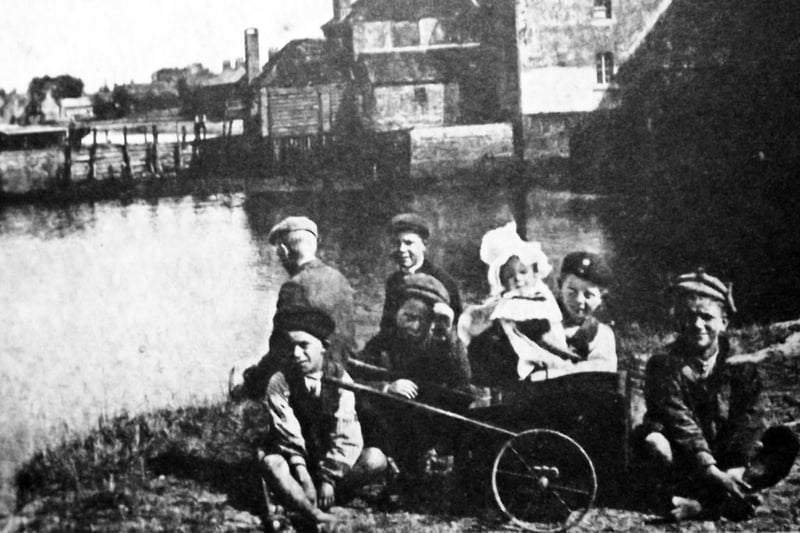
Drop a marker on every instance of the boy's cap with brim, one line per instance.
(588, 266)
(703, 284)
(312, 320)
(426, 287)
(291, 224)
(410, 222)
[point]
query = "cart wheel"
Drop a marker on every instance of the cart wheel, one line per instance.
(543, 481)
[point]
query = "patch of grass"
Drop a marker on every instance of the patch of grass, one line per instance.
(191, 469)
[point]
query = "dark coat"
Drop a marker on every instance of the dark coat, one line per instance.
(441, 365)
(322, 286)
(394, 292)
(716, 419)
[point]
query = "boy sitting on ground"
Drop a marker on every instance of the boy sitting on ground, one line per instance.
(703, 434)
(313, 448)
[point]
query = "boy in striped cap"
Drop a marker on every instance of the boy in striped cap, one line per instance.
(704, 424)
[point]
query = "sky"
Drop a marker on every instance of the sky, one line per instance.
(116, 41)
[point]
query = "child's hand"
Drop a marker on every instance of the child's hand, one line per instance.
(442, 320)
(404, 388)
(326, 495)
(583, 336)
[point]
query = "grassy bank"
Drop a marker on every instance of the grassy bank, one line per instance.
(190, 469)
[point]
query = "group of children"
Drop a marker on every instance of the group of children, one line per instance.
(315, 449)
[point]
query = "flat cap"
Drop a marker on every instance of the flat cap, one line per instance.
(588, 266)
(312, 320)
(699, 282)
(426, 287)
(291, 224)
(410, 222)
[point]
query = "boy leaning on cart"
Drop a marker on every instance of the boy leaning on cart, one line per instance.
(313, 447)
(703, 438)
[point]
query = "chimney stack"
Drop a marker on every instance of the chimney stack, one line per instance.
(226, 65)
(341, 8)
(251, 62)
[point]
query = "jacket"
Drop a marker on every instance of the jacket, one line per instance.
(718, 418)
(308, 428)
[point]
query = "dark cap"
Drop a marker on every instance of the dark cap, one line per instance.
(291, 224)
(588, 266)
(410, 222)
(698, 282)
(426, 287)
(304, 318)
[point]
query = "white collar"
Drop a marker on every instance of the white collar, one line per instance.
(313, 383)
(707, 365)
(413, 268)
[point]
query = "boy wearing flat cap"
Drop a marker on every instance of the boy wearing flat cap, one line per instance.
(312, 282)
(422, 359)
(704, 423)
(583, 287)
(410, 234)
(314, 443)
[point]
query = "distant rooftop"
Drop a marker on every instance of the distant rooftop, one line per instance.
(300, 63)
(399, 10)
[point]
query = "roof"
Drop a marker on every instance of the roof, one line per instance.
(399, 10)
(13, 129)
(227, 76)
(82, 101)
(400, 68)
(300, 63)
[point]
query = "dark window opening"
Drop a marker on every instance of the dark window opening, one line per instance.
(421, 96)
(605, 67)
(602, 9)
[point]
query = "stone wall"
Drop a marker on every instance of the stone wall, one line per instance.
(414, 105)
(23, 171)
(443, 152)
(548, 135)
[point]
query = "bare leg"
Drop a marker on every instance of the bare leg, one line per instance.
(370, 468)
(280, 479)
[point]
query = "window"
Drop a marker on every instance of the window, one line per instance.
(605, 68)
(602, 9)
(421, 96)
(405, 34)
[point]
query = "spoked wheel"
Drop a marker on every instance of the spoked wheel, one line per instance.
(543, 481)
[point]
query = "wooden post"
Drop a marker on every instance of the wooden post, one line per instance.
(176, 151)
(68, 154)
(196, 143)
(156, 162)
(126, 159)
(92, 151)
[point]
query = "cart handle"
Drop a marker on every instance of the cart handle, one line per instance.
(356, 387)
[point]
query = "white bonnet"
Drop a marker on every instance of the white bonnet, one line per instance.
(499, 244)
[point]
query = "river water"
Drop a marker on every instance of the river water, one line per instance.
(110, 307)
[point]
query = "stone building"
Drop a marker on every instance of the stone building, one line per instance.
(569, 54)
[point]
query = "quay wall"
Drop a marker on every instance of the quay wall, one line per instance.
(23, 171)
(443, 152)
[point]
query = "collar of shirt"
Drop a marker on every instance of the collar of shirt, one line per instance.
(413, 268)
(313, 383)
(705, 367)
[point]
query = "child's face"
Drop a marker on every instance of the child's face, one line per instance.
(414, 319)
(580, 297)
(307, 351)
(700, 321)
(516, 275)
